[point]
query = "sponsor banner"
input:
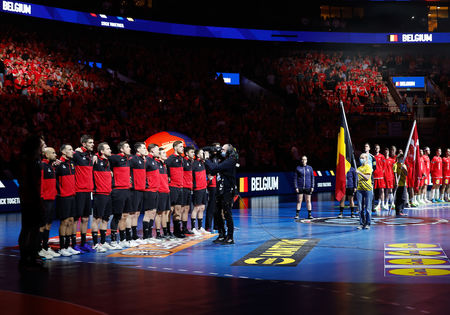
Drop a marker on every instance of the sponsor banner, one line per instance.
(414, 253)
(278, 253)
(161, 249)
(280, 183)
(436, 262)
(418, 272)
(415, 260)
(9, 196)
(119, 22)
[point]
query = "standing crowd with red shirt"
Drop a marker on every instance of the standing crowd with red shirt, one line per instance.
(433, 172)
(117, 189)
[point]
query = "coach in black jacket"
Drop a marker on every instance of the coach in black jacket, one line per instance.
(226, 189)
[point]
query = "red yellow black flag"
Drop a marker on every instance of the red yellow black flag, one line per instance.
(344, 157)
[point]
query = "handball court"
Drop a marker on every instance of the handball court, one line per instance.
(319, 266)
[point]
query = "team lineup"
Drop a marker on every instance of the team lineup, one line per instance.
(117, 188)
(379, 178)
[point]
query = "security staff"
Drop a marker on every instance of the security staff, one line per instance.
(226, 179)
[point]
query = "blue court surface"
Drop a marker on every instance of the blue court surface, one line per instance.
(271, 245)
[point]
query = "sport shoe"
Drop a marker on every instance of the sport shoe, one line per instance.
(99, 248)
(133, 243)
(73, 251)
(367, 227)
(115, 245)
(219, 240)
(340, 216)
(385, 207)
(439, 200)
(64, 252)
(87, 248)
(360, 227)
(377, 208)
(78, 249)
(196, 232)
(44, 254)
(296, 217)
(228, 241)
(107, 246)
(310, 216)
(124, 244)
(140, 241)
(53, 253)
(203, 231)
(433, 200)
(352, 215)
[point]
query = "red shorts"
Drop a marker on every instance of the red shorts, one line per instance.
(389, 182)
(379, 183)
(436, 180)
(426, 180)
(422, 182)
(447, 180)
(410, 181)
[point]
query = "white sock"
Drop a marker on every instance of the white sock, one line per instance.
(432, 193)
(391, 197)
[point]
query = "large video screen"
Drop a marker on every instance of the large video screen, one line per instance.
(229, 78)
(409, 82)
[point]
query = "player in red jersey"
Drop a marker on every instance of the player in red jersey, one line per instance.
(189, 154)
(174, 165)
(421, 179)
(163, 197)
(138, 187)
(84, 185)
(427, 171)
(120, 194)
(65, 200)
(199, 198)
(48, 195)
(436, 175)
(151, 193)
(378, 178)
(445, 193)
(388, 178)
(394, 152)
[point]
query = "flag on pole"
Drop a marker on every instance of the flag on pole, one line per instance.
(412, 159)
(344, 157)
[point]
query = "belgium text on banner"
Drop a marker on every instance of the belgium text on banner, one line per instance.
(344, 157)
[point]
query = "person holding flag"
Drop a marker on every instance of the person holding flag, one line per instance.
(364, 191)
(401, 172)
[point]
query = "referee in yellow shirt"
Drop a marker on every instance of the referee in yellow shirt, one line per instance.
(401, 172)
(364, 191)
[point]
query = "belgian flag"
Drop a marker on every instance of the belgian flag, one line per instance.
(344, 156)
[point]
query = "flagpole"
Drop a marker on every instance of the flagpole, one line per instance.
(348, 130)
(403, 160)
